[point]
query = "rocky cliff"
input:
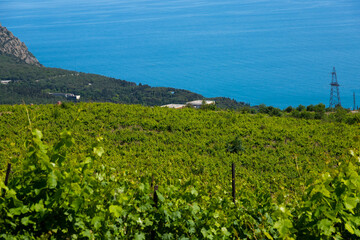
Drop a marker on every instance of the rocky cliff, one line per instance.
(9, 44)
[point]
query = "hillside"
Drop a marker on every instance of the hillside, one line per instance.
(9, 44)
(94, 167)
(201, 137)
(32, 83)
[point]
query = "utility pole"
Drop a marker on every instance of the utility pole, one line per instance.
(334, 93)
(354, 101)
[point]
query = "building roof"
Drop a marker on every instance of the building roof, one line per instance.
(200, 102)
(5, 81)
(176, 106)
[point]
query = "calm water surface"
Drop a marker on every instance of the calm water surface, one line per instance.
(277, 52)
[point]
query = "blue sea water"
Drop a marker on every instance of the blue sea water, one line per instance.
(277, 52)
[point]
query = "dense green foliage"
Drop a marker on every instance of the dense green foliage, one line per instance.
(319, 112)
(32, 84)
(90, 175)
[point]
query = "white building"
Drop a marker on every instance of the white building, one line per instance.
(199, 103)
(5, 81)
(67, 95)
(175, 106)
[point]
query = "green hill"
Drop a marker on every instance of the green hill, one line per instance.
(32, 84)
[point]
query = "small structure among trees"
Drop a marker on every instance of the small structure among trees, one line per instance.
(69, 96)
(194, 104)
(199, 103)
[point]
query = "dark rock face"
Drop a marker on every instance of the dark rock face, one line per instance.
(11, 45)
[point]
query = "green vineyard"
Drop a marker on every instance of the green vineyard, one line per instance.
(90, 171)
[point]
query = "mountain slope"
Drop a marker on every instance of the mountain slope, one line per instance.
(9, 44)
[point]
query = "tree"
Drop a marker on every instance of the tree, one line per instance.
(310, 108)
(235, 146)
(289, 109)
(301, 108)
(319, 108)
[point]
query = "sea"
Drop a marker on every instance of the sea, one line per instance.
(274, 52)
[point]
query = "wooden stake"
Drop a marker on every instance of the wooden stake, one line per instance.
(156, 199)
(233, 181)
(7, 177)
(156, 204)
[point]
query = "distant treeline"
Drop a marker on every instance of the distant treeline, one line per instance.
(319, 112)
